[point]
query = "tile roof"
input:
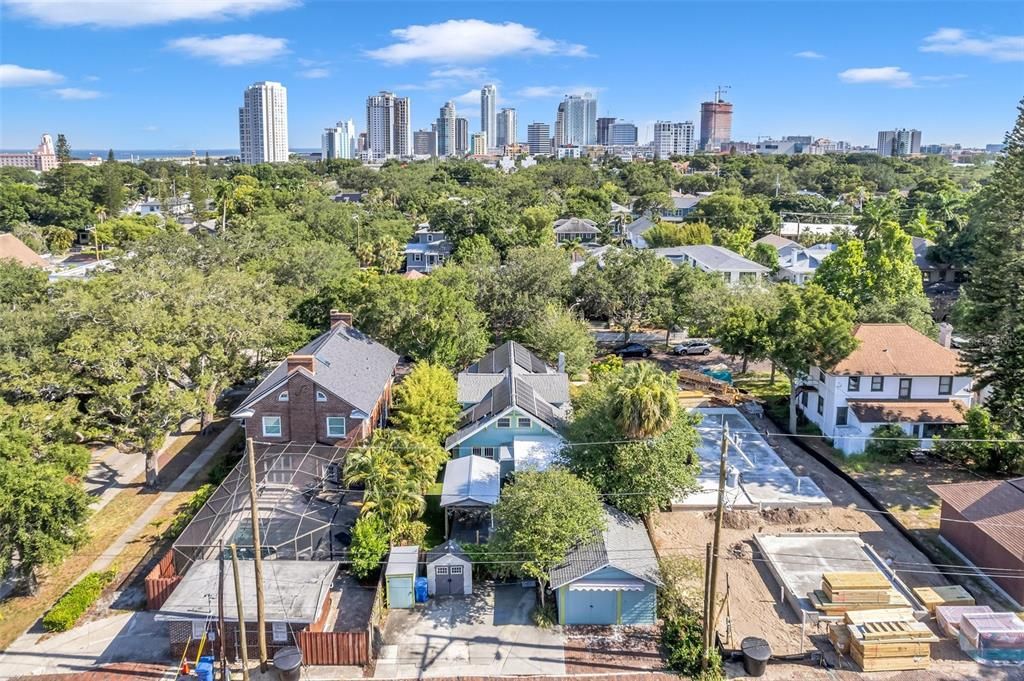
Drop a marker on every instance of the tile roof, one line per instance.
(13, 248)
(897, 350)
(995, 506)
(624, 545)
(907, 411)
(347, 363)
(576, 226)
(715, 258)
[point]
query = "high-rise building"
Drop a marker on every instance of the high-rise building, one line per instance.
(507, 125)
(673, 139)
(361, 144)
(388, 133)
(579, 123)
(604, 130)
(715, 124)
(446, 131)
(488, 115)
(263, 123)
(42, 158)
(423, 143)
(900, 142)
(339, 142)
(461, 136)
(538, 137)
(559, 136)
(479, 144)
(621, 133)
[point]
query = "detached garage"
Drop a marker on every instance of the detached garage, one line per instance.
(449, 571)
(611, 580)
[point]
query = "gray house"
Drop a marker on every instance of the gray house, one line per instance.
(613, 579)
(428, 249)
(576, 229)
(731, 266)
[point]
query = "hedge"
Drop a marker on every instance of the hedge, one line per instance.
(73, 604)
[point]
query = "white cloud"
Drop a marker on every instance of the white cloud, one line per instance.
(809, 54)
(893, 76)
(12, 75)
(944, 77)
(138, 12)
(460, 73)
(471, 97)
(74, 93)
(315, 73)
(91, 79)
(957, 41)
(551, 91)
(470, 40)
(232, 50)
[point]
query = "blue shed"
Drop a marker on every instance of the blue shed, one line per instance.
(611, 580)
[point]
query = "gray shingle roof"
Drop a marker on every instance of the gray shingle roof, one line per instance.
(553, 388)
(509, 354)
(449, 548)
(715, 258)
(623, 545)
(576, 226)
(347, 363)
(775, 241)
(511, 391)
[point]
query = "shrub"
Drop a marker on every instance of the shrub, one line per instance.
(183, 517)
(981, 444)
(895, 444)
(480, 556)
(369, 544)
(683, 639)
(73, 604)
(545, 616)
(608, 364)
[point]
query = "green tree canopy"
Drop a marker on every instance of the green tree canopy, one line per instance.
(426, 403)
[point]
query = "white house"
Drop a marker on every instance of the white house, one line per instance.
(896, 375)
(731, 266)
(799, 266)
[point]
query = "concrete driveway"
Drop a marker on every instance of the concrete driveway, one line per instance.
(486, 634)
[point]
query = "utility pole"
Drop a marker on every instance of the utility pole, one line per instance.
(241, 615)
(254, 512)
(220, 611)
(716, 544)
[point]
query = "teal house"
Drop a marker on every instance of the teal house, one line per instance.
(613, 579)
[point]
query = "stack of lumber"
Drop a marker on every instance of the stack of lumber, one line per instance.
(896, 643)
(843, 592)
(933, 596)
(839, 635)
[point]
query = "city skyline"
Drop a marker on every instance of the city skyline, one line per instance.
(66, 71)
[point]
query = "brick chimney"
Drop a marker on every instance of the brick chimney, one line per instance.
(340, 318)
(307, 362)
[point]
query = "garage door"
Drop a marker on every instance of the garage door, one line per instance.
(590, 607)
(448, 580)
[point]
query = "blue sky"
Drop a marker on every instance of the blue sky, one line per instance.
(139, 74)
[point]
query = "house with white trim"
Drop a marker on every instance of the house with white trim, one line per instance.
(897, 375)
(731, 266)
(429, 248)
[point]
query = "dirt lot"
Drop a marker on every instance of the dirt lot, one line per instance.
(754, 606)
(591, 650)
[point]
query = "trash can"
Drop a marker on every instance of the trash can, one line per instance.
(288, 662)
(204, 669)
(756, 652)
(422, 590)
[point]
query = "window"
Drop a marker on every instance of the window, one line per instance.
(417, 257)
(272, 426)
(821, 405)
(842, 416)
(877, 384)
(523, 422)
(455, 570)
(198, 628)
(804, 398)
(821, 375)
(853, 384)
(335, 426)
(945, 385)
(486, 452)
(283, 397)
(905, 384)
(279, 632)
(505, 422)
(320, 396)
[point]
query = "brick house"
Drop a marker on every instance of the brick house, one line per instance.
(333, 391)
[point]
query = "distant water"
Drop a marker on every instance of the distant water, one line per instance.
(143, 154)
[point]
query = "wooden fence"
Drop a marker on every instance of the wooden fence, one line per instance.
(160, 581)
(344, 648)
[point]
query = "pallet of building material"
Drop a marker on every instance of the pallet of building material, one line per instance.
(842, 581)
(934, 596)
(876, 596)
(948, 616)
(900, 649)
(822, 602)
(889, 664)
(880, 615)
(839, 635)
(880, 631)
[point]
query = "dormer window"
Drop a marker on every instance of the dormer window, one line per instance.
(321, 396)
(283, 396)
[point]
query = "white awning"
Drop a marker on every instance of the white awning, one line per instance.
(471, 481)
(609, 585)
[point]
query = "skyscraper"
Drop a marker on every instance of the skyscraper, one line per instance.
(579, 123)
(673, 139)
(715, 124)
(559, 137)
(424, 143)
(388, 133)
(507, 125)
(339, 142)
(263, 123)
(479, 142)
(461, 136)
(900, 142)
(621, 133)
(538, 136)
(604, 130)
(446, 131)
(488, 117)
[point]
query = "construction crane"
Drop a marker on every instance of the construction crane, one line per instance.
(722, 89)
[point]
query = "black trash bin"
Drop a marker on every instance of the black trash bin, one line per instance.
(288, 662)
(756, 652)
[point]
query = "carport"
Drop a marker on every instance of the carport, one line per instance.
(471, 487)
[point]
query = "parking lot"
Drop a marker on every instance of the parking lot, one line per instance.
(486, 634)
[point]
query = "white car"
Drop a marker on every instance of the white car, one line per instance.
(693, 347)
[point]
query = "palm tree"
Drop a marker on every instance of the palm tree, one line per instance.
(874, 215)
(646, 401)
(394, 490)
(222, 194)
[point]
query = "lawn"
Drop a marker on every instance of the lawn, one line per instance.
(434, 517)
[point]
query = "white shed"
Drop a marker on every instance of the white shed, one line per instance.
(449, 571)
(400, 576)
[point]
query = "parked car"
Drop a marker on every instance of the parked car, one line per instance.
(632, 350)
(693, 347)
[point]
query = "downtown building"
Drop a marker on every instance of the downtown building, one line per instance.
(339, 142)
(41, 159)
(388, 130)
(263, 123)
(576, 124)
(461, 136)
(715, 124)
(488, 115)
(538, 138)
(424, 142)
(900, 142)
(446, 131)
(506, 131)
(673, 139)
(622, 134)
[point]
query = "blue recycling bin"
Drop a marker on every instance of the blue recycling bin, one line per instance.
(422, 592)
(204, 670)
